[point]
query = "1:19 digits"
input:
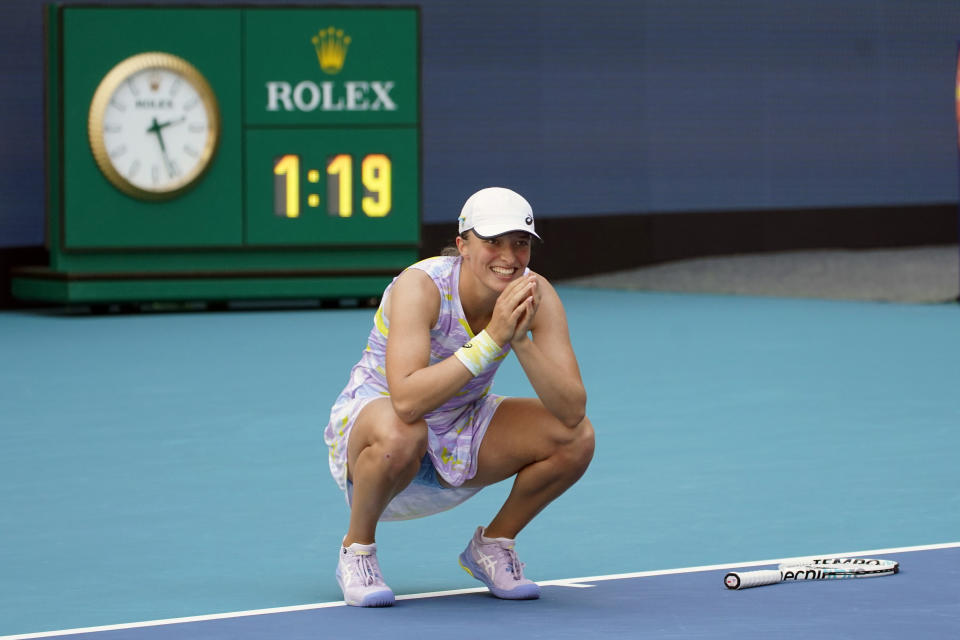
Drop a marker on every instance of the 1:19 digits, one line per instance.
(375, 176)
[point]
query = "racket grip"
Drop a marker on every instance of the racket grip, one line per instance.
(747, 579)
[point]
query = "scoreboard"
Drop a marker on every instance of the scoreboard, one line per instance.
(217, 153)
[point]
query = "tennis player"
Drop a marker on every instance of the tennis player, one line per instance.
(416, 430)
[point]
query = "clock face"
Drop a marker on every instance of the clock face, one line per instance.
(153, 125)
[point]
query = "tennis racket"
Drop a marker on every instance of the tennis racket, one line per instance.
(813, 569)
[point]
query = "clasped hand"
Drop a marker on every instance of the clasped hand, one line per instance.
(515, 310)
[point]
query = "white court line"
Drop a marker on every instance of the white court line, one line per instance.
(566, 582)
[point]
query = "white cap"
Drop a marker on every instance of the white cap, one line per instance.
(494, 211)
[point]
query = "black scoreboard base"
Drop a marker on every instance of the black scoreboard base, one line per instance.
(42, 284)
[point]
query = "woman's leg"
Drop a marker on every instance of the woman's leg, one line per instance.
(383, 457)
(547, 457)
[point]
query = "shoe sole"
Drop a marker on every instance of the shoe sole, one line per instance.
(375, 599)
(524, 592)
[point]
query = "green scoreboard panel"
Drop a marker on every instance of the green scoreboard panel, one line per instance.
(217, 153)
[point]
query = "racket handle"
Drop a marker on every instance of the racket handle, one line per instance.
(747, 579)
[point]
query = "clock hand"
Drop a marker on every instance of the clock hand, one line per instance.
(156, 128)
(167, 124)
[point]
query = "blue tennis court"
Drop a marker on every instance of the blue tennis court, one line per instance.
(163, 466)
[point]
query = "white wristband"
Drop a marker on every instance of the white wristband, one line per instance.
(477, 354)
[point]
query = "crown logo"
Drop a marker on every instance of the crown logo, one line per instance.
(331, 45)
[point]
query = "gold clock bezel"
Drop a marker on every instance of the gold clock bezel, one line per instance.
(101, 100)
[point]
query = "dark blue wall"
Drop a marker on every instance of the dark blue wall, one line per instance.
(606, 106)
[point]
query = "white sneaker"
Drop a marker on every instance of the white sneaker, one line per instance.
(358, 574)
(494, 562)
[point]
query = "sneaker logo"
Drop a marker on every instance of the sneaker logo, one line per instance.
(349, 573)
(488, 563)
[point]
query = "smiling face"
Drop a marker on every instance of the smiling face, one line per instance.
(495, 262)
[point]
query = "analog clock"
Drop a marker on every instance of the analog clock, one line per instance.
(154, 124)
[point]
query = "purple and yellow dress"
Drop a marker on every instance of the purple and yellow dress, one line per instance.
(455, 429)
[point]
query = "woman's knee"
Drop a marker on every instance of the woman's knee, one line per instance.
(403, 445)
(397, 446)
(578, 450)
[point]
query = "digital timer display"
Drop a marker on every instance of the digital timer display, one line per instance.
(332, 186)
(375, 178)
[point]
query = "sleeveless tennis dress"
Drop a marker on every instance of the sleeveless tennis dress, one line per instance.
(455, 429)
